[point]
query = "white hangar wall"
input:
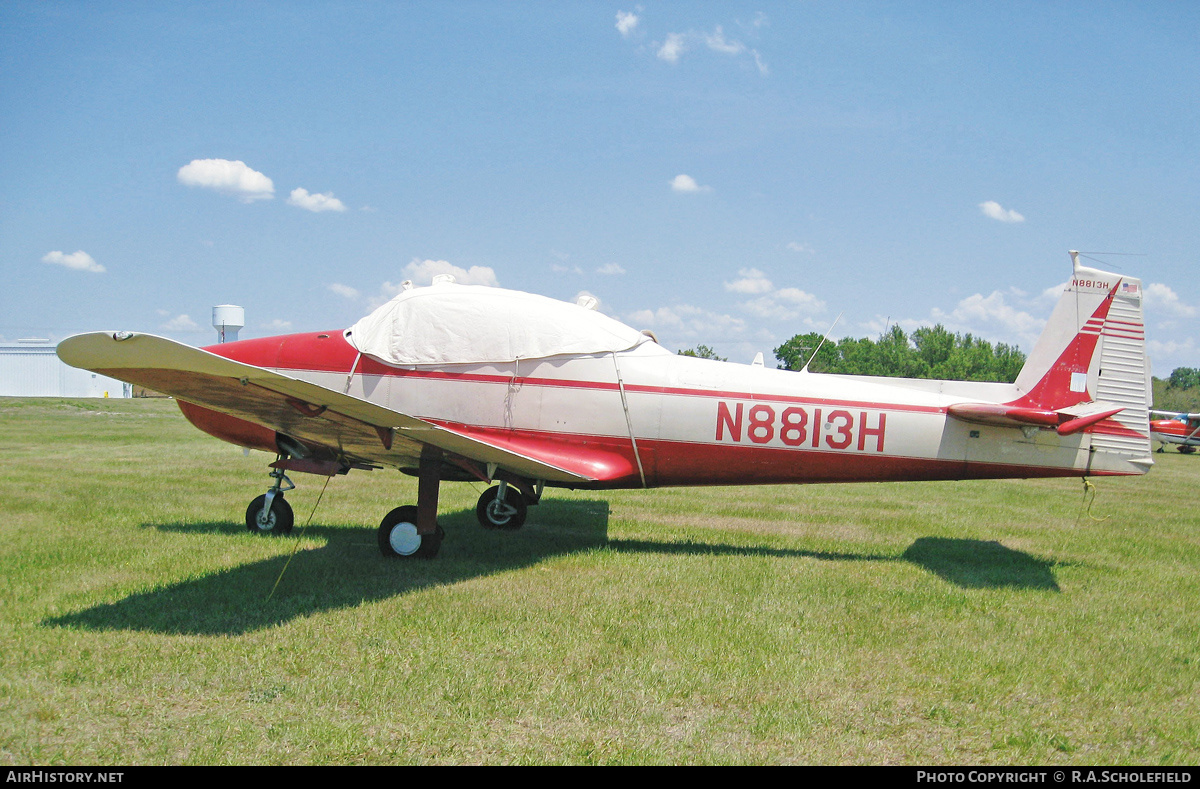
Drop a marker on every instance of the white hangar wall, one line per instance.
(34, 370)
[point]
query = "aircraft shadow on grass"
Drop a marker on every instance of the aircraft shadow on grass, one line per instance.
(347, 570)
(338, 568)
(971, 564)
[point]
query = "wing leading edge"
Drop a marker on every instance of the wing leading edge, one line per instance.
(356, 429)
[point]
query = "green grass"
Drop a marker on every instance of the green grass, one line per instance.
(974, 622)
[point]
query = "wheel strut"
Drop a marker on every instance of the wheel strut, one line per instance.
(276, 488)
(270, 513)
(414, 531)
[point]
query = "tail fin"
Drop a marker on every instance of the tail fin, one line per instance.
(1092, 357)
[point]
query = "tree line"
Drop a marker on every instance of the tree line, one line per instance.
(929, 352)
(926, 353)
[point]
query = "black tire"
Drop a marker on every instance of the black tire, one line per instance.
(398, 538)
(277, 522)
(508, 516)
(1186, 449)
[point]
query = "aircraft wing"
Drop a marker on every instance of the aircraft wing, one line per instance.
(355, 428)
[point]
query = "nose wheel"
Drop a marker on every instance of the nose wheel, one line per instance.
(275, 518)
(502, 507)
(269, 513)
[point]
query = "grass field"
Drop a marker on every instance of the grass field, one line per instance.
(921, 623)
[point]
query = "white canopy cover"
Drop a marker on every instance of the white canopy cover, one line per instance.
(447, 323)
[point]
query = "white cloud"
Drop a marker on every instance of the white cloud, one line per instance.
(784, 304)
(422, 272)
(672, 48)
(684, 326)
(79, 261)
(228, 177)
(627, 22)
(717, 42)
(676, 44)
(556, 268)
(315, 202)
(796, 246)
(994, 210)
(1172, 353)
(180, 323)
(1054, 292)
(345, 291)
(1160, 297)
(610, 268)
(772, 303)
(687, 184)
(752, 281)
(759, 63)
(688, 322)
(991, 315)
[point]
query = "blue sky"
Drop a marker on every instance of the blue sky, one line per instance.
(722, 173)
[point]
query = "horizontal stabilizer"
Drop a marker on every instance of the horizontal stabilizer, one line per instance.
(1065, 421)
(1082, 422)
(1003, 415)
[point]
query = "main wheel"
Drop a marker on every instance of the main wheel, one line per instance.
(1187, 449)
(495, 514)
(398, 537)
(276, 521)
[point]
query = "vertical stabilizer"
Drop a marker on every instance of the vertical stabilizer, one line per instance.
(1092, 354)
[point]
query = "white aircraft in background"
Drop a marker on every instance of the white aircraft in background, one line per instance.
(453, 382)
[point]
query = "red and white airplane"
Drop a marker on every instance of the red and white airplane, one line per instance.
(1180, 429)
(453, 382)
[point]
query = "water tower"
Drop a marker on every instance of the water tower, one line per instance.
(227, 319)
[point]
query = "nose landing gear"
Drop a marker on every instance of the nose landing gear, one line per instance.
(502, 507)
(270, 513)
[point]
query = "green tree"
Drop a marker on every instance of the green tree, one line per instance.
(935, 345)
(898, 357)
(1184, 378)
(796, 352)
(859, 357)
(1008, 363)
(703, 352)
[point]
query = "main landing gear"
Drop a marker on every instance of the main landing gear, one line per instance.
(409, 531)
(413, 532)
(399, 537)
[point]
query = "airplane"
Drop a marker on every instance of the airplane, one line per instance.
(454, 382)
(1181, 429)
